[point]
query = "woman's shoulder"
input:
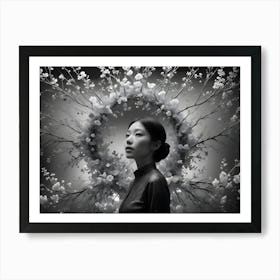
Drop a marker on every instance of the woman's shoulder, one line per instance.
(157, 183)
(155, 176)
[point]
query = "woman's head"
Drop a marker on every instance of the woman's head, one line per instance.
(146, 137)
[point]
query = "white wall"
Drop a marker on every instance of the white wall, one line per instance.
(139, 256)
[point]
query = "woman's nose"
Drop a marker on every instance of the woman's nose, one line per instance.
(128, 140)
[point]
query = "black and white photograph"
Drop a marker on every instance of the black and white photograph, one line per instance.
(142, 134)
(140, 139)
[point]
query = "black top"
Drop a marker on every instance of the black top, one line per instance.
(148, 193)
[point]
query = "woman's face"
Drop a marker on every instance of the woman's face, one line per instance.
(138, 142)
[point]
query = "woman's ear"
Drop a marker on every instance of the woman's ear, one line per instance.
(156, 144)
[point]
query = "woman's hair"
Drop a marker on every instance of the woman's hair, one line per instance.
(157, 132)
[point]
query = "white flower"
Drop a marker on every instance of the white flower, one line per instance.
(43, 199)
(97, 122)
(223, 177)
(161, 95)
(221, 72)
(167, 68)
(137, 84)
(56, 186)
(174, 103)
(61, 76)
(179, 208)
(117, 198)
(55, 198)
(229, 104)
(53, 81)
(229, 185)
(70, 81)
(126, 68)
(110, 178)
(91, 85)
(168, 113)
(138, 76)
(87, 139)
(233, 118)
(183, 147)
(69, 184)
(215, 182)
(93, 100)
(122, 99)
(108, 109)
(218, 83)
(170, 75)
(236, 178)
(223, 199)
(175, 178)
(129, 73)
(151, 85)
(191, 137)
(168, 180)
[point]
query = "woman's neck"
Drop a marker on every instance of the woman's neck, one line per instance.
(143, 162)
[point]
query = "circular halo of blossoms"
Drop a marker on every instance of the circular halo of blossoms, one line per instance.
(94, 149)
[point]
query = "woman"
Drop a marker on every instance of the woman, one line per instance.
(145, 143)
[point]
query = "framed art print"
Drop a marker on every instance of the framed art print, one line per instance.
(140, 138)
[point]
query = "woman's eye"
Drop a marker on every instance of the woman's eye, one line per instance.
(138, 134)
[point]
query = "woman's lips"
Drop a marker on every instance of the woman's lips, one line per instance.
(128, 149)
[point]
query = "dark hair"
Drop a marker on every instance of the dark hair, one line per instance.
(157, 132)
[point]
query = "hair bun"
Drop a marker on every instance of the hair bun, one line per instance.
(167, 148)
(162, 152)
(167, 145)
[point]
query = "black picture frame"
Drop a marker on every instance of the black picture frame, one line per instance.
(25, 52)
